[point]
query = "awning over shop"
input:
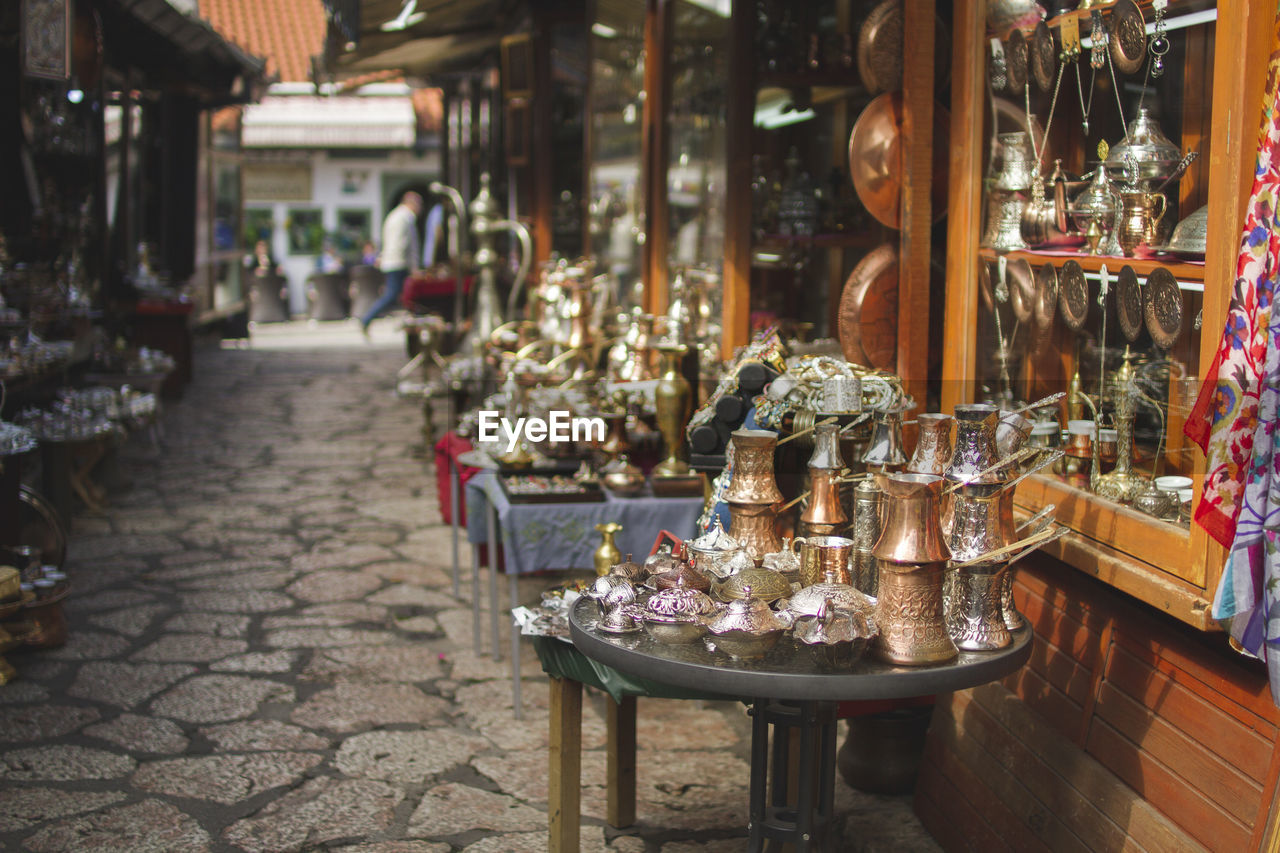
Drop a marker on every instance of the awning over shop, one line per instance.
(298, 121)
(178, 52)
(420, 37)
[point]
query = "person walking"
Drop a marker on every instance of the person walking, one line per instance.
(399, 255)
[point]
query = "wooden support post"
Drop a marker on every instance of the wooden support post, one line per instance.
(564, 776)
(622, 762)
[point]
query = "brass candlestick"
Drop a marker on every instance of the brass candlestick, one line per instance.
(673, 399)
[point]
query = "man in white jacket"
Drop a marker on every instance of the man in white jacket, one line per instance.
(400, 254)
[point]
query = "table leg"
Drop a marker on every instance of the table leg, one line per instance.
(621, 782)
(454, 477)
(799, 813)
(759, 771)
(495, 628)
(475, 599)
(564, 777)
(513, 584)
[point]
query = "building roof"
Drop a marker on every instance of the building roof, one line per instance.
(287, 32)
(300, 121)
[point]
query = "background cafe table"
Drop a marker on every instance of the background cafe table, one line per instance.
(791, 689)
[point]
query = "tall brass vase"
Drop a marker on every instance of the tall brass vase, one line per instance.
(912, 558)
(673, 400)
(606, 554)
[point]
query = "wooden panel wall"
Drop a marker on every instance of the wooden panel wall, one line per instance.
(1126, 730)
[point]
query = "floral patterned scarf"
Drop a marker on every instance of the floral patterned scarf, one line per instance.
(1234, 419)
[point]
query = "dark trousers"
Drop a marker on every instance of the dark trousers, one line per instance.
(392, 287)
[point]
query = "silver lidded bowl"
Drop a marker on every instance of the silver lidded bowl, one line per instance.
(836, 637)
(619, 620)
(661, 561)
(1189, 236)
(832, 593)
(764, 583)
(1144, 150)
(629, 570)
(747, 629)
(784, 561)
(679, 601)
(713, 550)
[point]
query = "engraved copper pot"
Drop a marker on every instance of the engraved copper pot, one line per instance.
(1012, 433)
(977, 524)
(866, 532)
(912, 559)
(672, 399)
(933, 446)
(754, 526)
(975, 619)
(753, 481)
(975, 447)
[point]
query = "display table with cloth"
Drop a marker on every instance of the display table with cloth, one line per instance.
(540, 536)
(791, 689)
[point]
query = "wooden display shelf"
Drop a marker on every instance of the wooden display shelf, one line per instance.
(1189, 271)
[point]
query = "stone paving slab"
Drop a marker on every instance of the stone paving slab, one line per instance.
(265, 654)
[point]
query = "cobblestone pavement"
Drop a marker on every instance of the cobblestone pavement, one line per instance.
(264, 654)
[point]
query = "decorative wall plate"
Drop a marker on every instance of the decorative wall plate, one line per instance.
(868, 314)
(1129, 303)
(1128, 42)
(1162, 304)
(875, 159)
(1073, 295)
(1043, 56)
(1046, 302)
(1015, 56)
(1022, 289)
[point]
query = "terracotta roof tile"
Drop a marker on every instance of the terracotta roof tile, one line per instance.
(287, 32)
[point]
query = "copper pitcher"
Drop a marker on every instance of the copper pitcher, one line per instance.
(933, 446)
(753, 481)
(912, 561)
(824, 514)
(822, 554)
(1138, 222)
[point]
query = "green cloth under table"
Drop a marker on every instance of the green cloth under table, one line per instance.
(560, 659)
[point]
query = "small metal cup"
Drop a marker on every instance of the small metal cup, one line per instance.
(841, 395)
(821, 554)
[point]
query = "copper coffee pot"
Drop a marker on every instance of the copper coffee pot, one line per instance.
(824, 514)
(933, 445)
(912, 558)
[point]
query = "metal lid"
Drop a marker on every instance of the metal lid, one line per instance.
(809, 600)
(766, 584)
(680, 601)
(748, 614)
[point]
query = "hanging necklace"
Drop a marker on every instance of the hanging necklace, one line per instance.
(1037, 185)
(1159, 45)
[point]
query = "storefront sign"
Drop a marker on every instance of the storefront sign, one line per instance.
(277, 182)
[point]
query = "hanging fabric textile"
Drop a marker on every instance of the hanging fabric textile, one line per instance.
(1234, 419)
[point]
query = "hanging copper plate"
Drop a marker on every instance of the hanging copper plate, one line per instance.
(1046, 302)
(1128, 42)
(1043, 56)
(1162, 304)
(875, 159)
(984, 286)
(1129, 303)
(1073, 295)
(1022, 289)
(880, 49)
(868, 316)
(1015, 57)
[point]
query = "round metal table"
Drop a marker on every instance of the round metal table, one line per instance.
(794, 689)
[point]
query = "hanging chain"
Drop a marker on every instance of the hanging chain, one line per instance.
(1159, 45)
(1098, 36)
(1037, 185)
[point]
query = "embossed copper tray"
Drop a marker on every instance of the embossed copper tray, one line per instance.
(868, 316)
(1073, 295)
(1128, 42)
(1129, 303)
(1162, 304)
